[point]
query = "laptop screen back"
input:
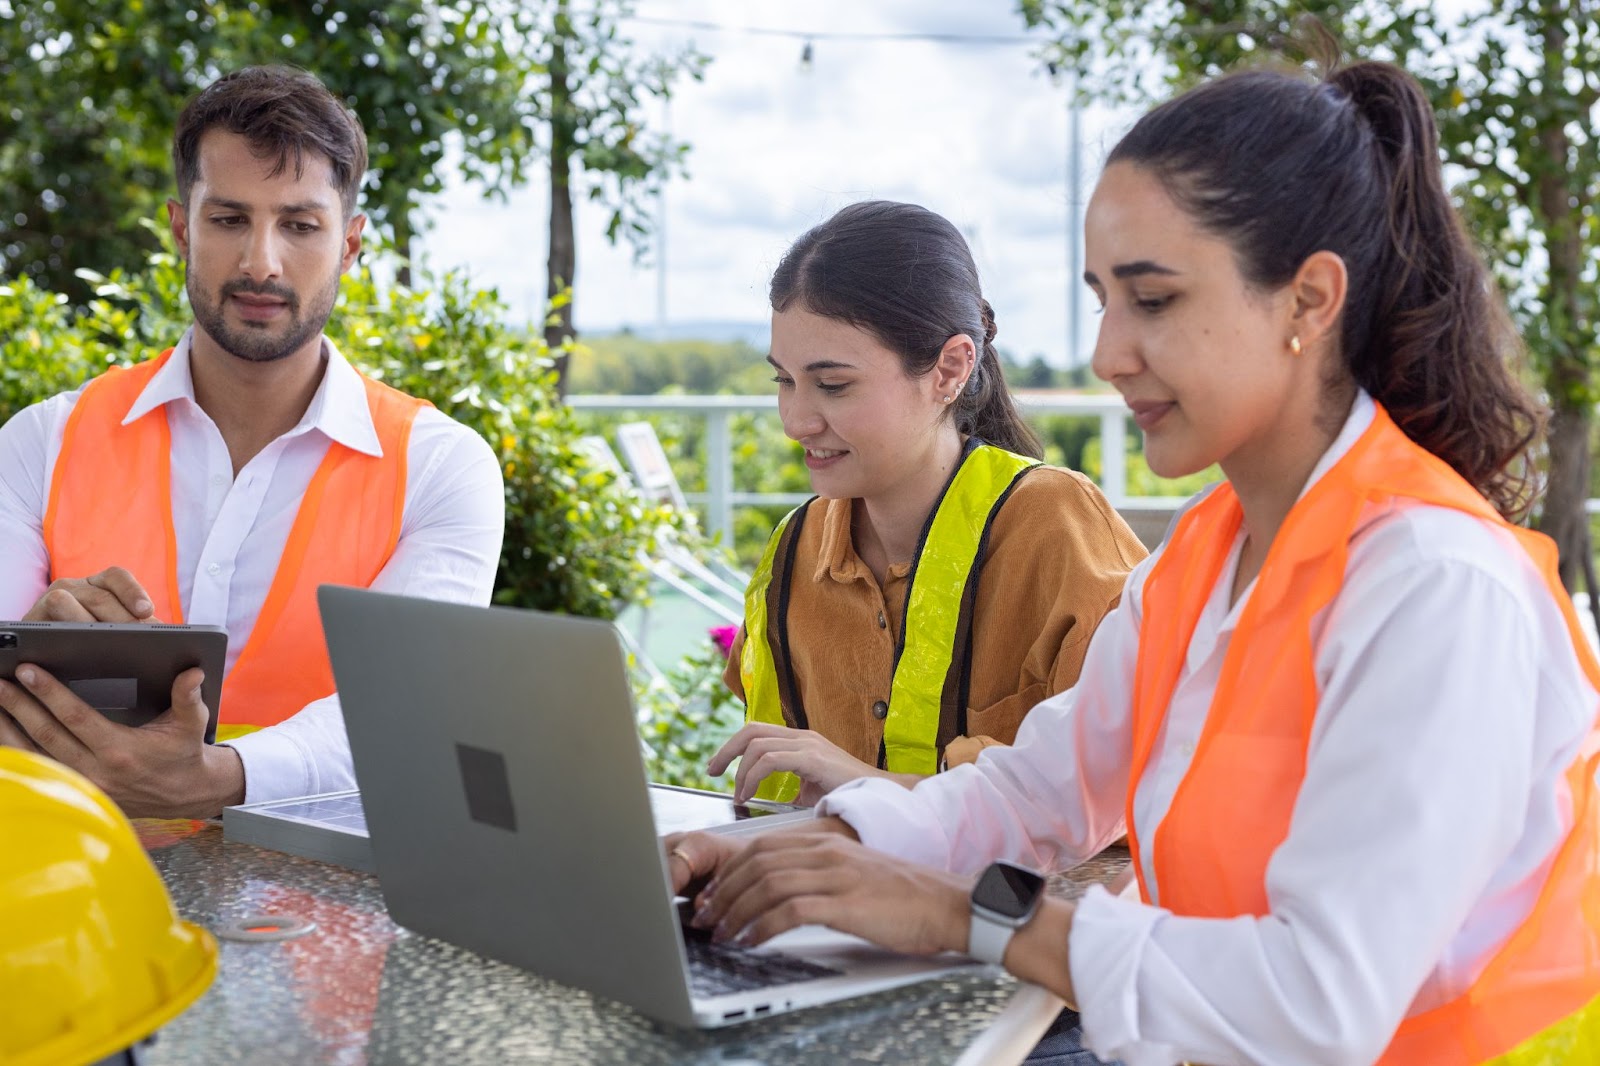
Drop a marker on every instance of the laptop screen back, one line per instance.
(505, 791)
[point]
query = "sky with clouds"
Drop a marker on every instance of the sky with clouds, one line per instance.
(976, 131)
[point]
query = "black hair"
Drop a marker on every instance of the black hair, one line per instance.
(284, 113)
(1281, 167)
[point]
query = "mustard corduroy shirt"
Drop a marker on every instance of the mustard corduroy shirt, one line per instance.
(1057, 558)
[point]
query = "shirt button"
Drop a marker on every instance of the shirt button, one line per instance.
(883, 623)
(880, 710)
(214, 569)
(218, 481)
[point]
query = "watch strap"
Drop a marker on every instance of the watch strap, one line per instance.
(987, 937)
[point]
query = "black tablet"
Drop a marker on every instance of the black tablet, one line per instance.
(124, 670)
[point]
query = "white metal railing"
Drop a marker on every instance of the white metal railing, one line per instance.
(722, 496)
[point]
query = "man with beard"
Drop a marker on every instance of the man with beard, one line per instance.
(223, 481)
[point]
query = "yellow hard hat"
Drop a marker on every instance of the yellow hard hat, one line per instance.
(93, 958)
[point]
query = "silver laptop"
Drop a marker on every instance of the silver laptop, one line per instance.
(509, 813)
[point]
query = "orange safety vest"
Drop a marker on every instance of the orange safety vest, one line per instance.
(111, 505)
(1232, 808)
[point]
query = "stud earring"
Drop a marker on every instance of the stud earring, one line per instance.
(948, 399)
(1294, 344)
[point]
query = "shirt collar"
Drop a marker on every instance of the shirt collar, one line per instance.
(172, 382)
(338, 408)
(838, 558)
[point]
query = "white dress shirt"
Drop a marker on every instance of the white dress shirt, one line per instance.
(1451, 706)
(231, 531)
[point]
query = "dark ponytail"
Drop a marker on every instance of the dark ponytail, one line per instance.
(905, 275)
(1280, 168)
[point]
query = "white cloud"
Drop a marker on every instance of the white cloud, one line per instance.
(973, 131)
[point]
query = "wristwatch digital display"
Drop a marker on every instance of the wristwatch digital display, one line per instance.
(1003, 900)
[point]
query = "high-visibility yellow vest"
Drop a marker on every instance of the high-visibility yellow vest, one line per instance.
(930, 671)
(1535, 1004)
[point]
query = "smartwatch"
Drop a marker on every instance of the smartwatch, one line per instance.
(1003, 901)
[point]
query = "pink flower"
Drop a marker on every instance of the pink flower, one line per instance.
(724, 635)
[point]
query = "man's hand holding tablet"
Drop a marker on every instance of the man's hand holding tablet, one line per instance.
(90, 680)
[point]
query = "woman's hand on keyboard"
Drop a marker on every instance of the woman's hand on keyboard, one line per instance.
(812, 876)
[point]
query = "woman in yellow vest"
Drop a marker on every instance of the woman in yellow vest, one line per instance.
(944, 580)
(1346, 713)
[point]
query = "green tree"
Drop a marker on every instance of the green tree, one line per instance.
(419, 73)
(1036, 375)
(626, 364)
(592, 85)
(1514, 83)
(92, 91)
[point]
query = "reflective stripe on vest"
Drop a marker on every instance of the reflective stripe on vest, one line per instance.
(929, 668)
(110, 504)
(1232, 809)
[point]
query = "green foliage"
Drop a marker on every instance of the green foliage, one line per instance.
(591, 88)
(626, 364)
(36, 358)
(685, 717)
(1518, 115)
(1065, 438)
(1035, 374)
(1141, 480)
(1514, 91)
(574, 534)
(47, 346)
(92, 91)
(591, 85)
(1128, 51)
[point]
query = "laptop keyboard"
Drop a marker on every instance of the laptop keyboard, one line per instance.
(720, 969)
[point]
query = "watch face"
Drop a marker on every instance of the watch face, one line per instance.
(1008, 890)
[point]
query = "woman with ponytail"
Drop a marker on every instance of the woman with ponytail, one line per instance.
(944, 580)
(1345, 713)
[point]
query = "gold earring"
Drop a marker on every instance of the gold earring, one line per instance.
(1294, 344)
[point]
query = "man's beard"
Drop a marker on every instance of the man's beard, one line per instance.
(259, 344)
